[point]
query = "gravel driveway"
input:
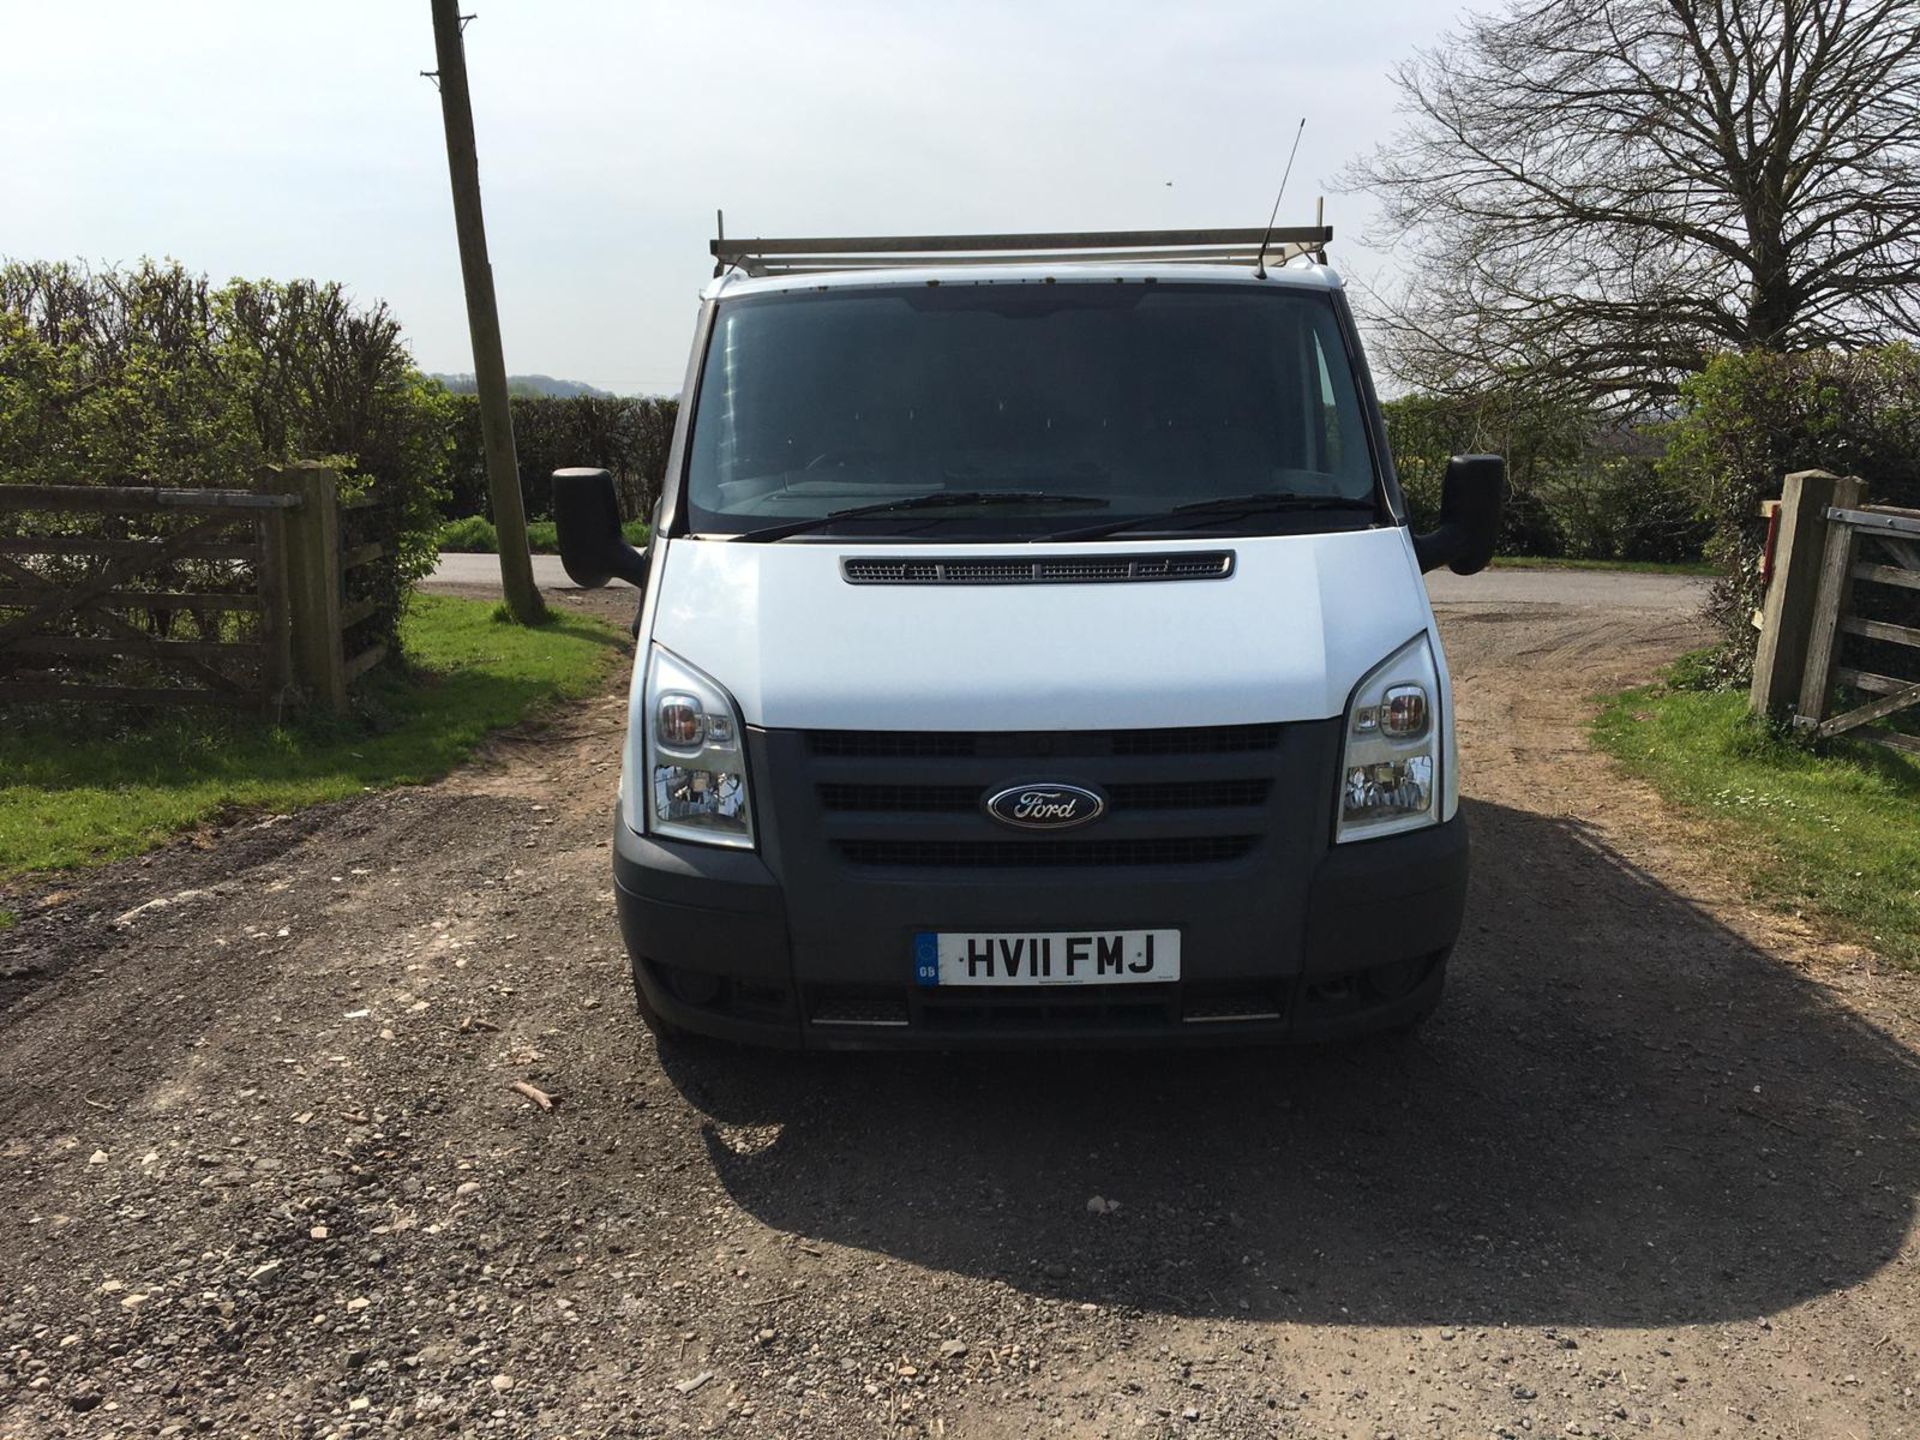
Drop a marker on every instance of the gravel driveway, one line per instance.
(1651, 1170)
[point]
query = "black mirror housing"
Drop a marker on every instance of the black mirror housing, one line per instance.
(1471, 497)
(586, 512)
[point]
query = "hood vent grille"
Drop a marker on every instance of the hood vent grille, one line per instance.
(1040, 570)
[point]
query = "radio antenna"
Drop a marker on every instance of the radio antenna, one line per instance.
(1260, 260)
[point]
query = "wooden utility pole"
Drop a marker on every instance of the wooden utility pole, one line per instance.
(483, 320)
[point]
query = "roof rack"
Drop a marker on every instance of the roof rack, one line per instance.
(817, 253)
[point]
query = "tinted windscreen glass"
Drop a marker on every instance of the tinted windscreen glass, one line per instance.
(1138, 397)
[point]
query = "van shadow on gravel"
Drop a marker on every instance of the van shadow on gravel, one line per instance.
(1623, 1115)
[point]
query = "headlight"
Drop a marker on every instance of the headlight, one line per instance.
(696, 767)
(1388, 772)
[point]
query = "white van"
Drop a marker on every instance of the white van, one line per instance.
(1033, 649)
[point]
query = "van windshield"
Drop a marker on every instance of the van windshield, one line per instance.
(1023, 410)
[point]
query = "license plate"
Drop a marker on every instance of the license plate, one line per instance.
(1059, 957)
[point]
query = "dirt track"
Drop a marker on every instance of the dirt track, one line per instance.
(1652, 1170)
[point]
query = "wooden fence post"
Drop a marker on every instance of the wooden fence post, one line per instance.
(1829, 605)
(1786, 625)
(311, 576)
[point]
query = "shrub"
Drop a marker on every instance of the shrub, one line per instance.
(1753, 418)
(470, 534)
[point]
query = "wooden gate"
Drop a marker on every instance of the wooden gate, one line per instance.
(118, 595)
(170, 597)
(1874, 545)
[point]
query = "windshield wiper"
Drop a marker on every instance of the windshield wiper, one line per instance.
(938, 500)
(1260, 502)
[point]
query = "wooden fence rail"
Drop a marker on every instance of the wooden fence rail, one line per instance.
(1820, 530)
(259, 574)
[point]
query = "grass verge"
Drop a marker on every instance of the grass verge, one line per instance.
(1636, 567)
(76, 794)
(1837, 833)
(475, 535)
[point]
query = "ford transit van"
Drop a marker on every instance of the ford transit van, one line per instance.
(1033, 649)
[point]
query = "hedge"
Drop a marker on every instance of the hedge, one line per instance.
(1582, 488)
(1579, 490)
(472, 534)
(629, 437)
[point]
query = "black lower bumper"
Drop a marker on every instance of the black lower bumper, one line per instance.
(1359, 945)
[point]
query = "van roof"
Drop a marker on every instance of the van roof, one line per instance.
(1298, 273)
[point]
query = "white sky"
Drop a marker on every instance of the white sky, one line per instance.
(275, 139)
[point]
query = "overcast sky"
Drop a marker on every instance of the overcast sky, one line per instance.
(271, 139)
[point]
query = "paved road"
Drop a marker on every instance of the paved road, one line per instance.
(1610, 589)
(485, 570)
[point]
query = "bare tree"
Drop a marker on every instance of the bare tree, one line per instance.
(1601, 194)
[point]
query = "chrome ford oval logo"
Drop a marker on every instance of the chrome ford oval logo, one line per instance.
(1046, 807)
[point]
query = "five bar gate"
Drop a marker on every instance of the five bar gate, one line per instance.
(118, 595)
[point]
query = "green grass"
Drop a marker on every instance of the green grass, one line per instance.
(1637, 567)
(475, 535)
(76, 794)
(1834, 833)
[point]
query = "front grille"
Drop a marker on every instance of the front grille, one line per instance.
(1040, 570)
(901, 799)
(1050, 854)
(1196, 795)
(1040, 744)
(888, 803)
(961, 799)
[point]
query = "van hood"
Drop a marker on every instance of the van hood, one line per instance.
(1285, 637)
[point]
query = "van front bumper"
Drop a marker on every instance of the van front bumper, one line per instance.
(1358, 944)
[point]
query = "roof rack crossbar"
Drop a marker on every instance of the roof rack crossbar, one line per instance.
(800, 254)
(1219, 255)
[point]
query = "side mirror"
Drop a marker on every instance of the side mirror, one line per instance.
(587, 516)
(1470, 499)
